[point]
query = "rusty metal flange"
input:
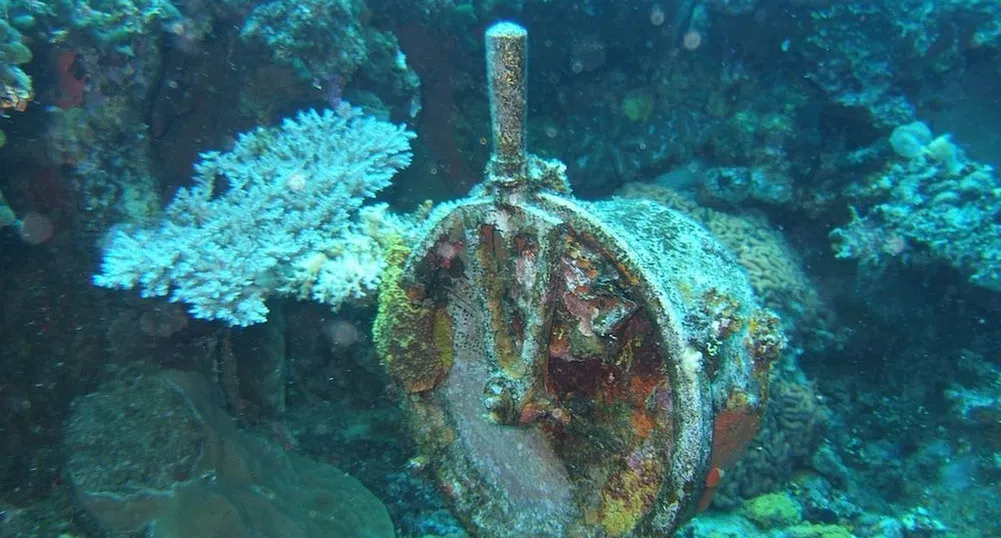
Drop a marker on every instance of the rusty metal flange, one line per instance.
(572, 369)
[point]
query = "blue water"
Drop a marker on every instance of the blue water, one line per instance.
(206, 208)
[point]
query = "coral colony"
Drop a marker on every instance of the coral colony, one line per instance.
(500, 268)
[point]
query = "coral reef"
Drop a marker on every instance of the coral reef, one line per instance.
(793, 426)
(173, 465)
(327, 44)
(772, 510)
(857, 71)
(933, 200)
(281, 212)
(321, 41)
(16, 90)
(740, 185)
(782, 119)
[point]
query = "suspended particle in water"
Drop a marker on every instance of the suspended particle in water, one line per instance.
(656, 15)
(691, 40)
(296, 181)
(35, 228)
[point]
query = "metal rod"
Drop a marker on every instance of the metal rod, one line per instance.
(507, 58)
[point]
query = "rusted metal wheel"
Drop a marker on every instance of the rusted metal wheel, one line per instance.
(573, 369)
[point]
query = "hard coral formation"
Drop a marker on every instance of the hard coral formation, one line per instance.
(736, 186)
(744, 101)
(975, 399)
(792, 428)
(15, 85)
(151, 452)
(115, 24)
(280, 213)
(851, 62)
(327, 43)
(321, 40)
(934, 200)
(772, 510)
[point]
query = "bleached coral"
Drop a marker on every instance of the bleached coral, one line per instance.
(280, 213)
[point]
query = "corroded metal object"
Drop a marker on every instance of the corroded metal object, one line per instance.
(572, 369)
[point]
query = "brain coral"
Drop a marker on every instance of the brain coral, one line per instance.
(794, 424)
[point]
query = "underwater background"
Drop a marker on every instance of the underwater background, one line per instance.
(201, 199)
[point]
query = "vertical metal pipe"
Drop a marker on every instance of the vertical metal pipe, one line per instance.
(507, 58)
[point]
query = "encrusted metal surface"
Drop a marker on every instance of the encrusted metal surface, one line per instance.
(573, 369)
(506, 51)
